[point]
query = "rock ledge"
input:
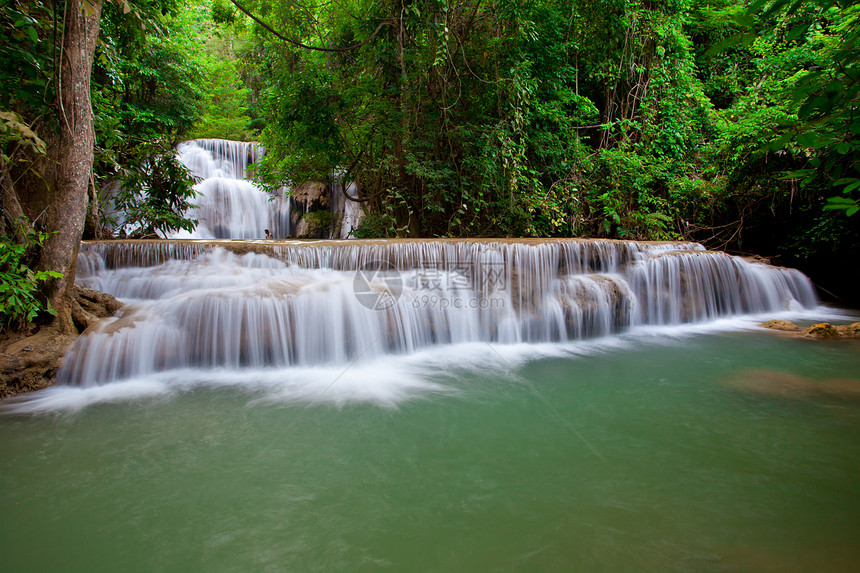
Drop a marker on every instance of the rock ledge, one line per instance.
(821, 330)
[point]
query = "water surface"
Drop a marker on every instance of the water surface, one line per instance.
(641, 453)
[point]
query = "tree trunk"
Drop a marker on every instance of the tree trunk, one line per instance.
(9, 202)
(66, 197)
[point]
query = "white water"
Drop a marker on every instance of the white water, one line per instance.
(313, 306)
(228, 205)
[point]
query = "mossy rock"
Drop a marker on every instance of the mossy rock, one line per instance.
(849, 330)
(822, 330)
(785, 325)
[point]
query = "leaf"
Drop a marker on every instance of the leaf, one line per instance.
(842, 203)
(852, 186)
(796, 32)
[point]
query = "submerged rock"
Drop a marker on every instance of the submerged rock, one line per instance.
(787, 385)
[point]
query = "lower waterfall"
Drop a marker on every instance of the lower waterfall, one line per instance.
(260, 304)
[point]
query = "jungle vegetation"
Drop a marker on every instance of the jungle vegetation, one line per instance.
(721, 121)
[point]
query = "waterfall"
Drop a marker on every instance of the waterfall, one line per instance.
(208, 304)
(228, 205)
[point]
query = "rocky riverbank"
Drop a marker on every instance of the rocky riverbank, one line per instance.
(30, 359)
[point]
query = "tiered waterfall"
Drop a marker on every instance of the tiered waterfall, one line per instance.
(236, 304)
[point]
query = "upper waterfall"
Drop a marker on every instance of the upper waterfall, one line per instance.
(228, 205)
(206, 304)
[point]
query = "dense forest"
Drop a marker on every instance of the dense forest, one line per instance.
(723, 122)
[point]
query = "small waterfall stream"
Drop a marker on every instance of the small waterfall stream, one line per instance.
(208, 304)
(229, 206)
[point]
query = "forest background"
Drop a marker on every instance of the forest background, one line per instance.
(723, 122)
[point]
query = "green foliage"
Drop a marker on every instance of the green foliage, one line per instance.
(155, 192)
(319, 223)
(384, 223)
(26, 76)
(782, 144)
(228, 105)
(146, 86)
(19, 283)
(223, 12)
(14, 130)
(711, 120)
(146, 93)
(477, 118)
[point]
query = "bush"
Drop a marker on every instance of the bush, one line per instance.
(19, 283)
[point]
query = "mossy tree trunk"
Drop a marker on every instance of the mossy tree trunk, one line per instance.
(57, 200)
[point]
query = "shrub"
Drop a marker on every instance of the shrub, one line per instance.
(19, 283)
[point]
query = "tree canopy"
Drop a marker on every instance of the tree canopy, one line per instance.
(717, 121)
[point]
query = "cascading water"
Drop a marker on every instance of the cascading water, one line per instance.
(229, 206)
(199, 305)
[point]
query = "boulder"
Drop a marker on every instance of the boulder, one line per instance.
(30, 361)
(849, 330)
(821, 330)
(313, 195)
(309, 210)
(785, 325)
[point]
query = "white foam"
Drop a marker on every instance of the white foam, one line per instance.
(386, 381)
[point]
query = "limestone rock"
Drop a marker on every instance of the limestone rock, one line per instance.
(30, 360)
(821, 330)
(849, 330)
(89, 306)
(313, 195)
(785, 325)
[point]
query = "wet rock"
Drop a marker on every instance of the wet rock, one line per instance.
(316, 225)
(784, 325)
(89, 306)
(758, 259)
(849, 330)
(313, 195)
(821, 330)
(30, 360)
(310, 215)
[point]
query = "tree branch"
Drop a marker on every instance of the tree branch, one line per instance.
(299, 44)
